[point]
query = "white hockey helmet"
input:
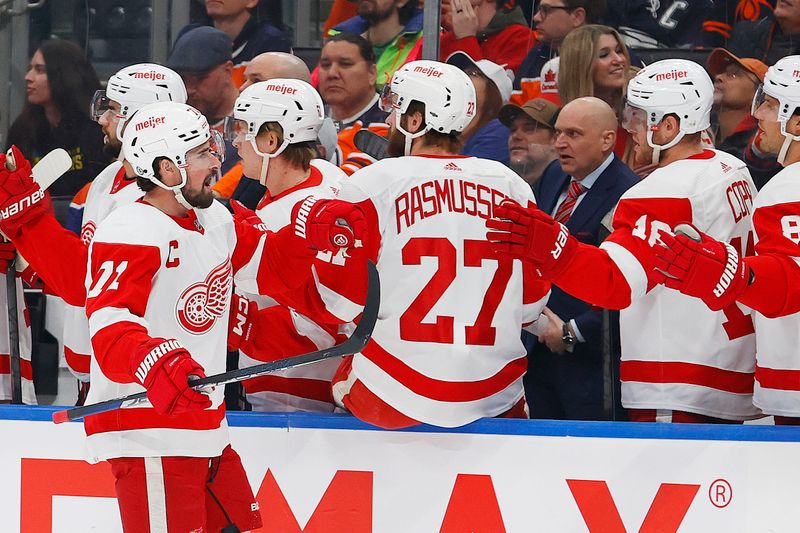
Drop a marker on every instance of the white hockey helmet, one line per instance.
(136, 86)
(170, 130)
(782, 82)
(672, 87)
(294, 104)
(446, 91)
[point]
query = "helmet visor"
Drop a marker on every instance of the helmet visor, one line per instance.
(389, 99)
(100, 104)
(217, 145)
(634, 119)
(233, 128)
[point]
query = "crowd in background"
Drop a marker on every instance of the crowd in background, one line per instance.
(526, 60)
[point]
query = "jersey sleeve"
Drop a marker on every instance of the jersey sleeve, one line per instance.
(621, 269)
(61, 263)
(119, 282)
(776, 266)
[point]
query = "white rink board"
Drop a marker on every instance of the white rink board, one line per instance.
(333, 474)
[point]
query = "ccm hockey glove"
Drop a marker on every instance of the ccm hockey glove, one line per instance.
(700, 266)
(163, 367)
(21, 198)
(329, 224)
(532, 235)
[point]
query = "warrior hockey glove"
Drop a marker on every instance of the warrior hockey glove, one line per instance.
(329, 224)
(699, 266)
(163, 367)
(21, 198)
(240, 324)
(532, 235)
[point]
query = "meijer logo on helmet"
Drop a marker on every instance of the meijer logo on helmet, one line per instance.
(429, 71)
(149, 75)
(283, 89)
(672, 75)
(151, 122)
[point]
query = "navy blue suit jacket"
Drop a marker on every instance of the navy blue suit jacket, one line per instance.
(584, 224)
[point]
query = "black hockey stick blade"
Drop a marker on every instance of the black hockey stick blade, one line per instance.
(354, 343)
(371, 143)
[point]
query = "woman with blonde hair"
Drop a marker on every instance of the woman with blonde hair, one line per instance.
(604, 72)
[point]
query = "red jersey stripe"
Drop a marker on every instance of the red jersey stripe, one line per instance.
(687, 373)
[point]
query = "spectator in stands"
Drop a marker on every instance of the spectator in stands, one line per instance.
(392, 27)
(735, 83)
(668, 24)
(239, 19)
(770, 38)
(594, 62)
(271, 65)
(202, 57)
(347, 74)
(530, 145)
(60, 85)
(485, 29)
(717, 27)
(565, 364)
(554, 19)
(485, 136)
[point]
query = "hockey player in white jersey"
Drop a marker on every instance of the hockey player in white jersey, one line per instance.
(158, 289)
(766, 282)
(681, 362)
(274, 126)
(446, 349)
(62, 263)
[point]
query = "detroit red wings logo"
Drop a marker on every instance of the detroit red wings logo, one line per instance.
(203, 303)
(87, 232)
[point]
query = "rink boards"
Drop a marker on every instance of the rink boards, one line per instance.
(334, 474)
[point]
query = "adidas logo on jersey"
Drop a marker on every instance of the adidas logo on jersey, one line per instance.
(453, 166)
(725, 168)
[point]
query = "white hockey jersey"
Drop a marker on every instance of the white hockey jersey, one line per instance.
(446, 349)
(109, 190)
(282, 331)
(676, 353)
(776, 225)
(149, 276)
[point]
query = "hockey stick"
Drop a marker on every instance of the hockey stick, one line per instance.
(45, 173)
(371, 143)
(354, 343)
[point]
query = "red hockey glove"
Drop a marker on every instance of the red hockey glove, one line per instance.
(532, 235)
(163, 367)
(247, 216)
(699, 266)
(7, 254)
(329, 224)
(240, 323)
(21, 199)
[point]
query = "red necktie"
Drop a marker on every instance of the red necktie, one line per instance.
(568, 205)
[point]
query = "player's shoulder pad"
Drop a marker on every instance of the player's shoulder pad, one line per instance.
(135, 223)
(214, 215)
(331, 174)
(103, 182)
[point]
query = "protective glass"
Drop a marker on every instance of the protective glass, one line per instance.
(100, 104)
(233, 127)
(634, 118)
(389, 99)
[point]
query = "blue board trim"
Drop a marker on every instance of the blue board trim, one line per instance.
(492, 426)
